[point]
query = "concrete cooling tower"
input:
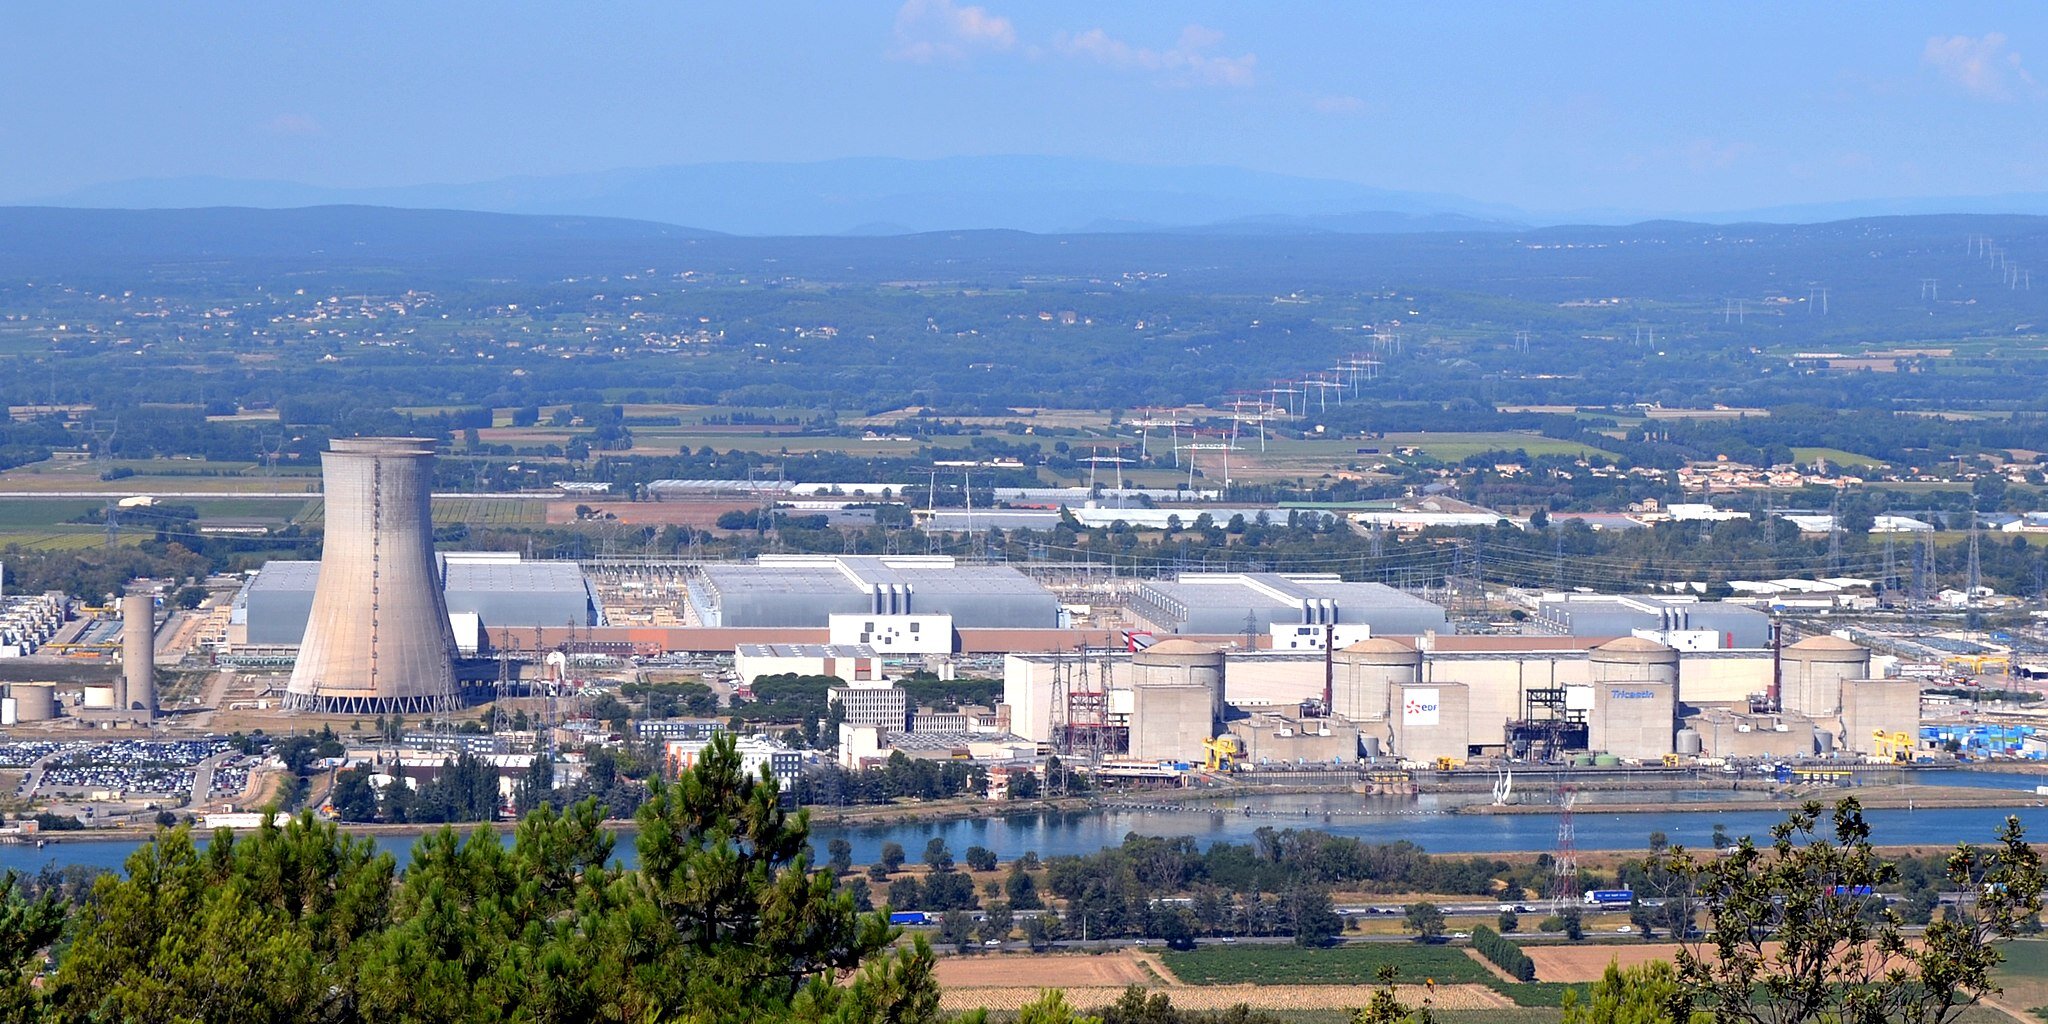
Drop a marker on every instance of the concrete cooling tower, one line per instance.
(378, 639)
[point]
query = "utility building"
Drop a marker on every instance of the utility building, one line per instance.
(1679, 621)
(1432, 721)
(1225, 603)
(498, 590)
(1176, 700)
(1635, 698)
(1814, 671)
(1365, 674)
(806, 591)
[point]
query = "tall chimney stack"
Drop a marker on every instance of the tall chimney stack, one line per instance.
(138, 654)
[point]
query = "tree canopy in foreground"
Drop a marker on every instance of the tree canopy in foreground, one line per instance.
(725, 921)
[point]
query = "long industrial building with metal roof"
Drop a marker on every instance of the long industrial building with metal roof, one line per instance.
(496, 590)
(802, 591)
(1224, 603)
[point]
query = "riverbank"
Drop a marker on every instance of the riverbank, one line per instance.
(1888, 797)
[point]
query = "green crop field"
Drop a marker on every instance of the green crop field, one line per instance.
(38, 513)
(447, 511)
(2024, 974)
(1835, 456)
(1340, 965)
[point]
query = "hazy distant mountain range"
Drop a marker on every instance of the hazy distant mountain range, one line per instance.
(882, 196)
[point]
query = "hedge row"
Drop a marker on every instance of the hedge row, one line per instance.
(1507, 955)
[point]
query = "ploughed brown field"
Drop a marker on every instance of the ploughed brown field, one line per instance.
(1009, 980)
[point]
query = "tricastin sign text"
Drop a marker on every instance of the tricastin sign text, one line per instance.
(1613, 694)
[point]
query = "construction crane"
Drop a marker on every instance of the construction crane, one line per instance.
(1979, 664)
(1221, 753)
(1894, 746)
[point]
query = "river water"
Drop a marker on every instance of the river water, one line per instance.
(1427, 820)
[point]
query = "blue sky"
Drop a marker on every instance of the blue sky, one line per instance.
(1678, 107)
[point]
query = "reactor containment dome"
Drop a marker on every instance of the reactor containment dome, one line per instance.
(377, 640)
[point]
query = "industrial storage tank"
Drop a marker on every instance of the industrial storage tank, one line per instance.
(138, 654)
(1813, 671)
(1176, 699)
(1689, 742)
(378, 639)
(1365, 674)
(100, 696)
(1634, 659)
(33, 702)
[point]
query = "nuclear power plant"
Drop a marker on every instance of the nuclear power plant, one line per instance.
(1433, 699)
(377, 639)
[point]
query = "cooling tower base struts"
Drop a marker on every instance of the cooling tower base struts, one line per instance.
(337, 705)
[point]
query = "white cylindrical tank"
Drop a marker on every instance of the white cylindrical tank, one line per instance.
(1366, 674)
(9, 714)
(1176, 699)
(1688, 742)
(1633, 659)
(33, 702)
(100, 696)
(1813, 671)
(378, 639)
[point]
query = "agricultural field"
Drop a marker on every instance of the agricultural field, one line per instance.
(449, 511)
(156, 476)
(1078, 419)
(702, 514)
(2024, 975)
(41, 524)
(45, 523)
(1835, 457)
(1007, 981)
(1580, 962)
(1342, 965)
(1290, 458)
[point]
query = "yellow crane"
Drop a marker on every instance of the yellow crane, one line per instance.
(1979, 664)
(1894, 746)
(1221, 753)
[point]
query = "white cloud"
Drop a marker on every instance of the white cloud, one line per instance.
(1982, 65)
(937, 30)
(1187, 62)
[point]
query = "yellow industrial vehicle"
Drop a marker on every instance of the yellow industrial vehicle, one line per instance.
(1221, 754)
(1894, 746)
(1444, 764)
(1671, 760)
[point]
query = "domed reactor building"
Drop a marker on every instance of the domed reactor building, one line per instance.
(378, 640)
